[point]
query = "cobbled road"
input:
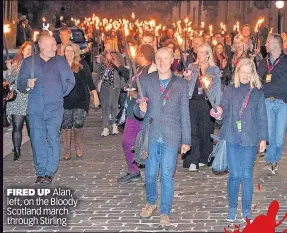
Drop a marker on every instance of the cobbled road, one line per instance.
(199, 204)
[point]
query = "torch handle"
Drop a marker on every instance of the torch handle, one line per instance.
(129, 63)
(6, 47)
(33, 60)
(137, 80)
(211, 100)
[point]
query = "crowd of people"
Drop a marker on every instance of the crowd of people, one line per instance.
(248, 85)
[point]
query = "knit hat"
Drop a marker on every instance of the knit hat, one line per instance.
(147, 50)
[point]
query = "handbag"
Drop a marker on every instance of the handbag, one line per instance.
(141, 144)
(219, 165)
(122, 115)
(8, 94)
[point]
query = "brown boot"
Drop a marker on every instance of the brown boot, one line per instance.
(67, 143)
(78, 141)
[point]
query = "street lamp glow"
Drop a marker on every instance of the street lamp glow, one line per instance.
(279, 4)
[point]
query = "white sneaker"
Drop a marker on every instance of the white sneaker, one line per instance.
(105, 132)
(192, 168)
(202, 164)
(115, 129)
(276, 167)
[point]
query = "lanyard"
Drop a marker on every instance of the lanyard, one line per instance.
(139, 73)
(244, 104)
(271, 67)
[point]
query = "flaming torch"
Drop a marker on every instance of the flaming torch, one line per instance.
(259, 22)
(32, 77)
(141, 98)
(185, 34)
(202, 25)
(206, 82)
(130, 87)
(44, 22)
(210, 30)
(6, 30)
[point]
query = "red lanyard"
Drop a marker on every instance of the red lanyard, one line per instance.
(271, 67)
(139, 73)
(244, 104)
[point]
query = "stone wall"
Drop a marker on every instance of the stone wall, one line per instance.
(10, 18)
(144, 10)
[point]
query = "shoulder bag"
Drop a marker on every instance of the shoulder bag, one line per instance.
(141, 144)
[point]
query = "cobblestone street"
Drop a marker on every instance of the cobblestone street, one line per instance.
(200, 199)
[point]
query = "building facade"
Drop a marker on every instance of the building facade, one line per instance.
(190, 9)
(229, 12)
(246, 13)
(10, 13)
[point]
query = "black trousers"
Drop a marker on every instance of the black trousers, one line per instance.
(202, 125)
(18, 123)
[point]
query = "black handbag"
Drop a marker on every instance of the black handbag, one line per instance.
(141, 144)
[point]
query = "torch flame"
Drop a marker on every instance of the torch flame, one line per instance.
(35, 35)
(210, 30)
(133, 15)
(259, 22)
(7, 28)
(206, 82)
(133, 51)
(126, 30)
(186, 20)
(179, 39)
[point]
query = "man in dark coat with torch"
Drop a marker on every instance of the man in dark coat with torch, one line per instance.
(53, 80)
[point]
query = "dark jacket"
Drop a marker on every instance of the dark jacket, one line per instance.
(278, 85)
(79, 97)
(23, 34)
(254, 122)
(191, 58)
(173, 122)
(231, 68)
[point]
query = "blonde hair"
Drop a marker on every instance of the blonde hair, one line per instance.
(209, 52)
(76, 65)
(240, 38)
(254, 80)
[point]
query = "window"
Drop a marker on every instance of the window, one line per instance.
(193, 14)
(188, 8)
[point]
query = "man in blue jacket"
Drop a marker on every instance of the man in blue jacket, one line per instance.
(169, 129)
(53, 80)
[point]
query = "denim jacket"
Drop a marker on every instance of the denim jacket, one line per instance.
(211, 71)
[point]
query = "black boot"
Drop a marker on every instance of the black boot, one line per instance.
(17, 154)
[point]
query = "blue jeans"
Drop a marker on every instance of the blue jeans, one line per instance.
(240, 164)
(160, 155)
(45, 139)
(277, 124)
